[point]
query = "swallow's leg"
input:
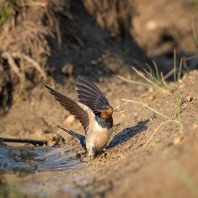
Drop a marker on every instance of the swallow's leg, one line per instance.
(91, 152)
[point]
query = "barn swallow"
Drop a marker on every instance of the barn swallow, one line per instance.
(92, 110)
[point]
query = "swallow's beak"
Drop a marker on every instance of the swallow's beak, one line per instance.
(110, 110)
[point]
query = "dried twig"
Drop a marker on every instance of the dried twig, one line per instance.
(159, 113)
(156, 131)
(57, 22)
(41, 4)
(14, 67)
(142, 75)
(34, 142)
(33, 62)
(163, 80)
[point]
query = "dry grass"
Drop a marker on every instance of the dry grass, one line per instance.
(156, 79)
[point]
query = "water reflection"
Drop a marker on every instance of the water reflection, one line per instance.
(36, 170)
(36, 159)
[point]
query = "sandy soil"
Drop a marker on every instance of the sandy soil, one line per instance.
(149, 155)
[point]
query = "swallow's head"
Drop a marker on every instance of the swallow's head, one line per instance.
(106, 112)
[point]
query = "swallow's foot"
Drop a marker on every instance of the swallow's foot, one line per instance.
(87, 158)
(91, 153)
(92, 156)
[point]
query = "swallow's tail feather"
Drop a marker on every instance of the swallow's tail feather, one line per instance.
(79, 137)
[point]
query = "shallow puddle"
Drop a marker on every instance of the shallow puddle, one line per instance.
(36, 171)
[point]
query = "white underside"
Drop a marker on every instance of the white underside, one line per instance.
(97, 138)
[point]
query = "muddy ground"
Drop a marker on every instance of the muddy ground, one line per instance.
(149, 155)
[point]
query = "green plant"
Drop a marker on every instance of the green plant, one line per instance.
(179, 73)
(127, 50)
(5, 10)
(193, 1)
(195, 32)
(156, 79)
(183, 175)
(177, 105)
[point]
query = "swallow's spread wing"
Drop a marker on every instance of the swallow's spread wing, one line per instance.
(83, 113)
(90, 95)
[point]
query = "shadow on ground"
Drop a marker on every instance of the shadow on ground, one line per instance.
(127, 134)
